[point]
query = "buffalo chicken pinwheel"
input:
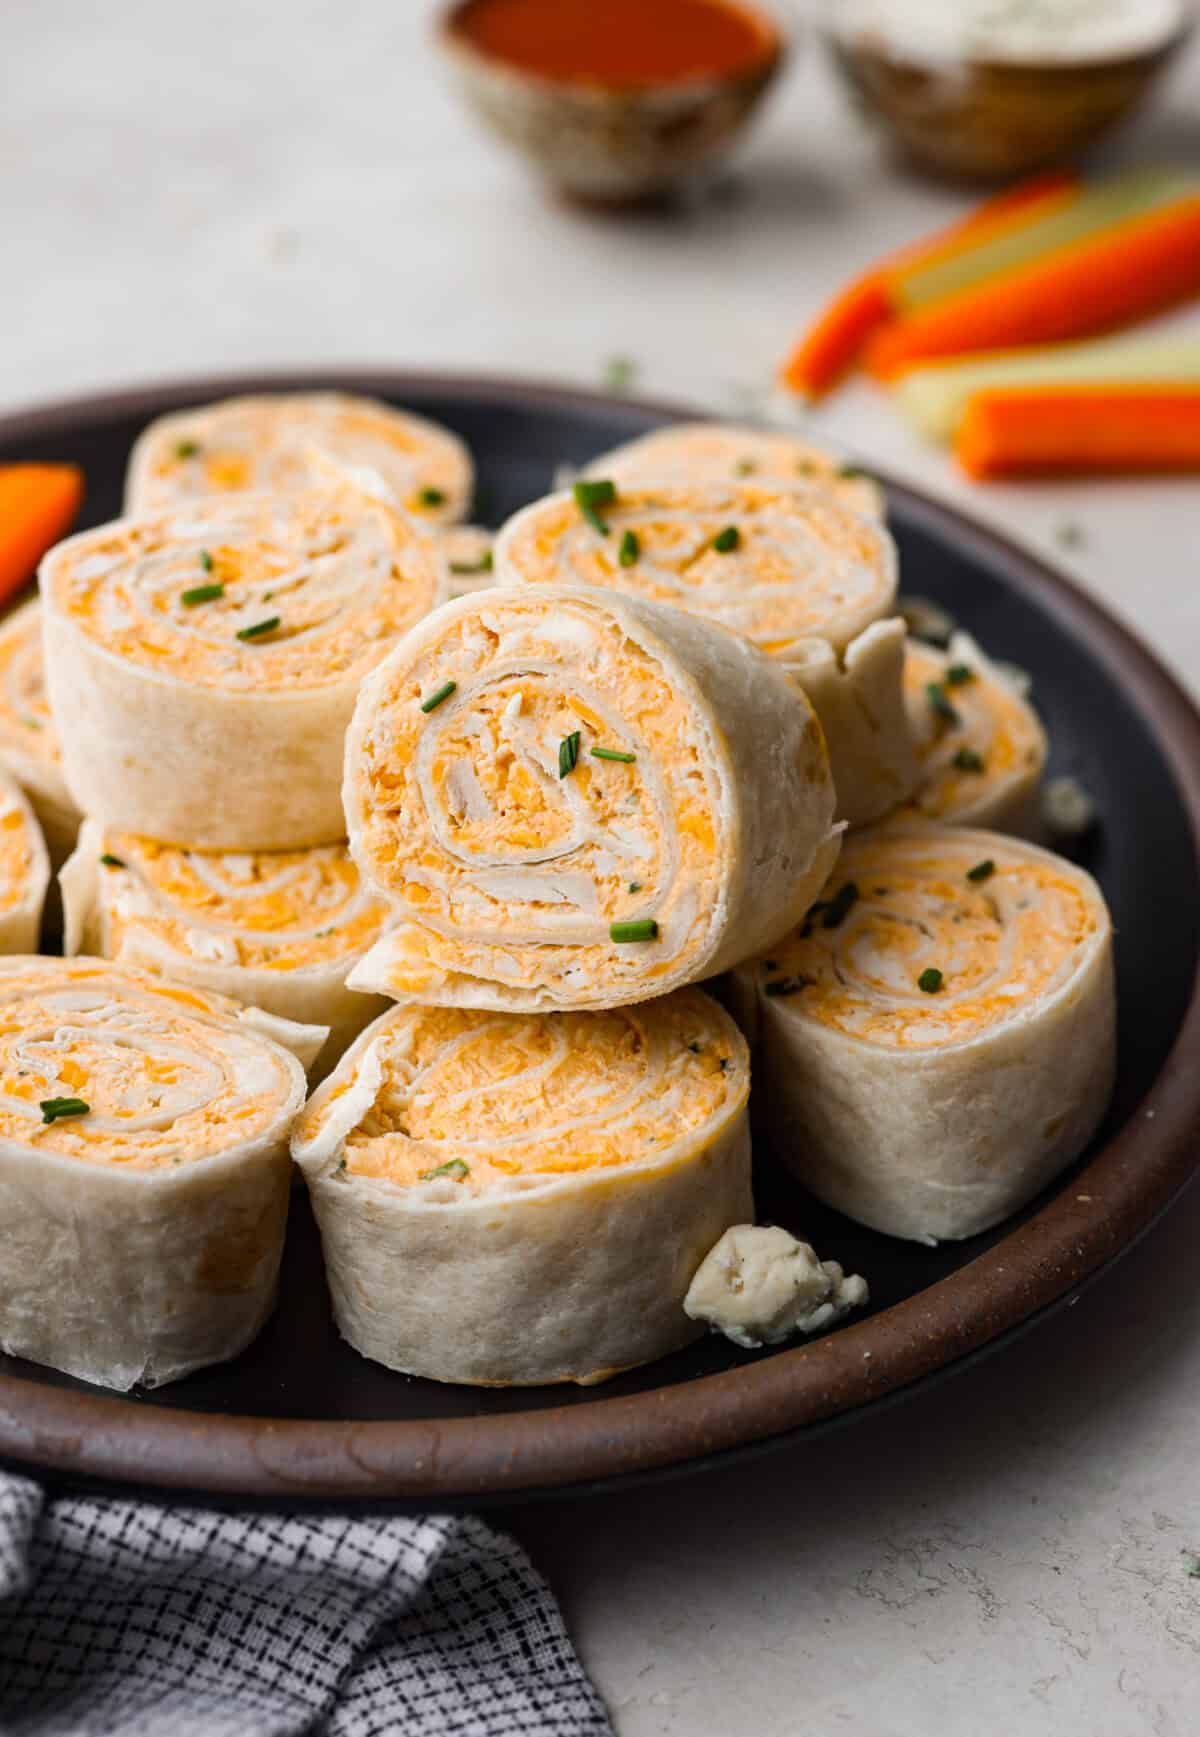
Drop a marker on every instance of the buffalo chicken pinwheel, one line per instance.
(29, 745)
(508, 1199)
(280, 444)
(24, 872)
(579, 800)
(278, 930)
(144, 1171)
(730, 452)
(980, 746)
(776, 564)
(202, 664)
(936, 1042)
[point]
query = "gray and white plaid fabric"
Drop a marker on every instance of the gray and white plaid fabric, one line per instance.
(122, 1618)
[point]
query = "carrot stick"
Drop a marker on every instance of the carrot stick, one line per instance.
(1115, 277)
(1040, 430)
(834, 341)
(38, 505)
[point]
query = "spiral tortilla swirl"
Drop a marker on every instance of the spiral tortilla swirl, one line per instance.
(528, 770)
(276, 444)
(798, 564)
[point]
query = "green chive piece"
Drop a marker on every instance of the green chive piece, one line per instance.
(850, 471)
(483, 565)
(635, 886)
(111, 861)
(613, 754)
(745, 467)
(959, 674)
(645, 929)
(935, 693)
(431, 498)
(455, 1169)
(983, 871)
(967, 760)
(259, 628)
(58, 1109)
(590, 497)
(619, 373)
(931, 980)
(568, 754)
(206, 560)
(840, 906)
(186, 448)
(435, 699)
(786, 985)
(203, 594)
(726, 541)
(630, 549)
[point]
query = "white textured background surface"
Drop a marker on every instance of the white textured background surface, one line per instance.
(185, 190)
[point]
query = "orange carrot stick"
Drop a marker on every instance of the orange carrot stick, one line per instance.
(1125, 272)
(38, 505)
(834, 341)
(1041, 430)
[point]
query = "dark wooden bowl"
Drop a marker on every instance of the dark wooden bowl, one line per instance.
(300, 1418)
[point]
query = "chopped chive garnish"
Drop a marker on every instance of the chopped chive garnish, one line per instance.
(619, 372)
(930, 980)
(840, 906)
(958, 674)
(483, 565)
(745, 467)
(967, 760)
(849, 471)
(186, 448)
(111, 861)
(644, 929)
(206, 560)
(613, 754)
(726, 541)
(983, 871)
(635, 886)
(431, 498)
(590, 497)
(630, 549)
(203, 594)
(259, 628)
(696, 1048)
(455, 1169)
(435, 699)
(935, 693)
(786, 985)
(568, 754)
(58, 1109)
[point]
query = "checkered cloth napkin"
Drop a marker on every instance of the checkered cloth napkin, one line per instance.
(141, 1621)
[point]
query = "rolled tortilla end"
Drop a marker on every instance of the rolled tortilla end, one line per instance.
(144, 1171)
(579, 800)
(24, 872)
(732, 452)
(283, 443)
(29, 746)
(937, 1041)
(279, 931)
(860, 701)
(981, 748)
(202, 664)
(776, 564)
(508, 1200)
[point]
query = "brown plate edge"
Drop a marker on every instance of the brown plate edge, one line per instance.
(1107, 1206)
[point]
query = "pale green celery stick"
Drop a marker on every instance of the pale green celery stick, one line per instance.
(933, 399)
(1113, 201)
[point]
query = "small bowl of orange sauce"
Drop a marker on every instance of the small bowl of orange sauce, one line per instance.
(614, 101)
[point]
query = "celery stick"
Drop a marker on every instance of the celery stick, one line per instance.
(933, 399)
(1114, 201)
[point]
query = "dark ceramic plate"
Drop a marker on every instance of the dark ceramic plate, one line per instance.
(301, 1418)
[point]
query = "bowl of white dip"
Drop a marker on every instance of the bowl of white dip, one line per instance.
(989, 89)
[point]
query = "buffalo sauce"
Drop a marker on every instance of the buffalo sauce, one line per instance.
(620, 42)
